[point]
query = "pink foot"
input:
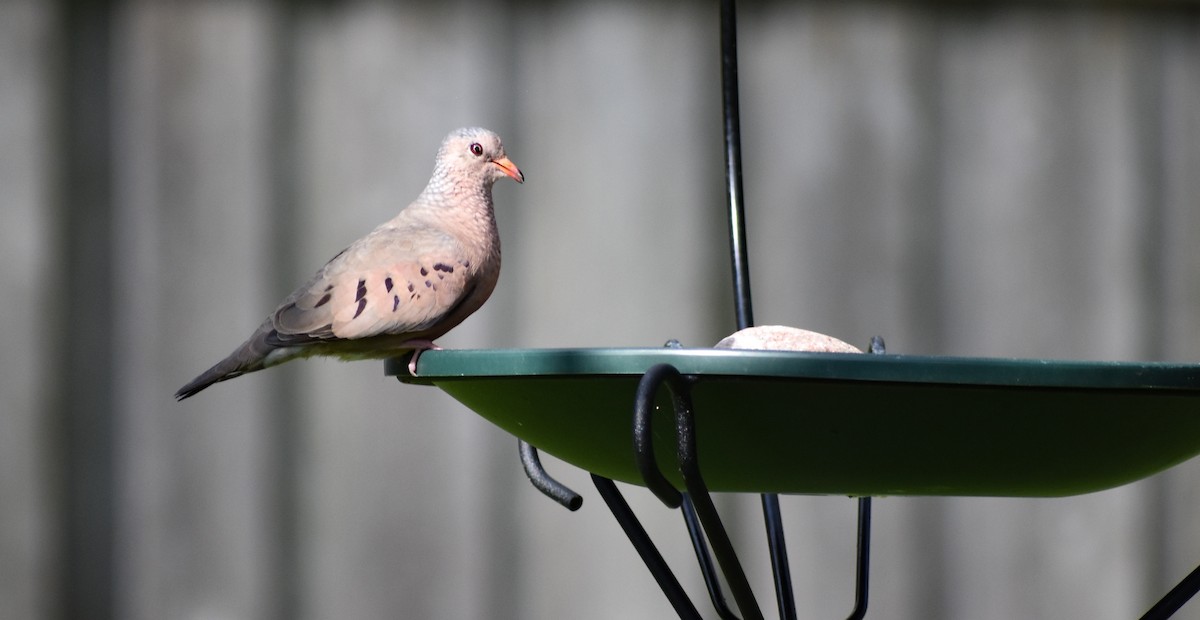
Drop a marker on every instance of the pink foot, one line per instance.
(417, 346)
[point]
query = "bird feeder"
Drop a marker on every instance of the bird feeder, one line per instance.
(771, 422)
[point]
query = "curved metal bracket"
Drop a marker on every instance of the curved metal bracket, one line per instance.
(542, 481)
(689, 467)
(643, 435)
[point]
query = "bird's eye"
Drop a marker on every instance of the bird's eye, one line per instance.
(476, 149)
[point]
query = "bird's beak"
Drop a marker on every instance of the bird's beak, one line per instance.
(510, 169)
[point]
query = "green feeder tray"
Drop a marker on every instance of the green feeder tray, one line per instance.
(843, 424)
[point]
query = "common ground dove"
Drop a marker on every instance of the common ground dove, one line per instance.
(407, 282)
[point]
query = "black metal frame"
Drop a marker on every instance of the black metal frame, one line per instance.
(699, 512)
(704, 524)
(1173, 600)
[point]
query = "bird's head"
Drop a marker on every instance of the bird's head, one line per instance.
(476, 153)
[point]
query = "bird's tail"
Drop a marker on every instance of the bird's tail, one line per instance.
(249, 357)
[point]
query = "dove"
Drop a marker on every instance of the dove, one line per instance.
(407, 282)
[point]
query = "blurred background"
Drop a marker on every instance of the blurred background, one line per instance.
(984, 178)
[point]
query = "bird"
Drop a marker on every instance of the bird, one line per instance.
(404, 284)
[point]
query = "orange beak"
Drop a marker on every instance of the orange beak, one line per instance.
(510, 169)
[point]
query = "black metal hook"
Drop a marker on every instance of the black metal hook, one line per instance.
(689, 467)
(643, 441)
(542, 481)
(643, 434)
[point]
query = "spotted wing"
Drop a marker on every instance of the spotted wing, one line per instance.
(391, 282)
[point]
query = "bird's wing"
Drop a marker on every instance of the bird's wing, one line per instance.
(394, 281)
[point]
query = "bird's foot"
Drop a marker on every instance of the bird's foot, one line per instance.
(417, 347)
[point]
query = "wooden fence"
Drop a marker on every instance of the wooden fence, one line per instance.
(983, 179)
